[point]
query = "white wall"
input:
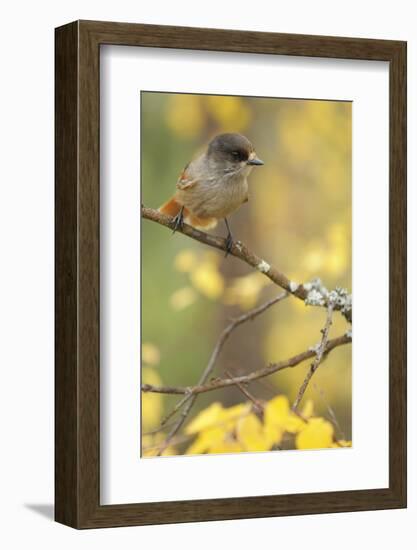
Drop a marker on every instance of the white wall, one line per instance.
(26, 271)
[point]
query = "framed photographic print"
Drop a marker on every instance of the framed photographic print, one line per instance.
(229, 205)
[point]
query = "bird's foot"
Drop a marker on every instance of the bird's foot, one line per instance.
(229, 245)
(178, 221)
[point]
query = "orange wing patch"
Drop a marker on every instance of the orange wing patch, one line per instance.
(185, 184)
(184, 181)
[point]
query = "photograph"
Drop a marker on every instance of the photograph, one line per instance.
(246, 274)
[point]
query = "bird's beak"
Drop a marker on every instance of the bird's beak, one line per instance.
(254, 161)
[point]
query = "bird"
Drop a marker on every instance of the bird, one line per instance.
(213, 185)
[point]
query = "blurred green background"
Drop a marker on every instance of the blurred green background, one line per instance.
(298, 218)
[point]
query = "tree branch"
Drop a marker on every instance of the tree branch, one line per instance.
(318, 359)
(189, 396)
(239, 250)
(313, 293)
(244, 379)
(257, 405)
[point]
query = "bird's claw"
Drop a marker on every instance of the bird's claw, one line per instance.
(178, 221)
(229, 245)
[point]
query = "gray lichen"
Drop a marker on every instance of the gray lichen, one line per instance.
(315, 298)
(263, 267)
(317, 293)
(342, 300)
(238, 245)
(315, 348)
(293, 286)
(339, 298)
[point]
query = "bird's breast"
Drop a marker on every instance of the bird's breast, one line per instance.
(216, 198)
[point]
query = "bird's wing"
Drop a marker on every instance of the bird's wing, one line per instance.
(186, 179)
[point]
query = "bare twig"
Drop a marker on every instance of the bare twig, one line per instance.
(189, 398)
(239, 250)
(258, 406)
(255, 375)
(158, 429)
(321, 350)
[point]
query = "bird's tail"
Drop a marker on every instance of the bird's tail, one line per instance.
(173, 207)
(170, 208)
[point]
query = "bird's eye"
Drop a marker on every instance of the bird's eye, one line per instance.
(236, 154)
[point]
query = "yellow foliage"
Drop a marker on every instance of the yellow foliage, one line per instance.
(185, 260)
(227, 445)
(152, 403)
(314, 259)
(230, 415)
(150, 354)
(250, 433)
(206, 441)
(216, 415)
(238, 428)
(342, 443)
(316, 434)
(207, 279)
(182, 298)
(214, 427)
(279, 415)
(184, 115)
(244, 291)
(205, 419)
(308, 409)
(277, 411)
(230, 112)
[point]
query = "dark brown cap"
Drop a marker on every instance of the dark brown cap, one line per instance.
(233, 147)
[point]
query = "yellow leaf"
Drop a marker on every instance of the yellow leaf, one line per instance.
(308, 409)
(314, 259)
(244, 291)
(317, 434)
(272, 435)
(249, 432)
(277, 411)
(232, 413)
(295, 423)
(230, 112)
(185, 261)
(205, 419)
(342, 443)
(226, 446)
(207, 439)
(279, 418)
(150, 376)
(207, 279)
(210, 256)
(184, 115)
(183, 298)
(150, 354)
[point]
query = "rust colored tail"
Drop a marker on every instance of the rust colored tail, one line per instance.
(170, 208)
(173, 207)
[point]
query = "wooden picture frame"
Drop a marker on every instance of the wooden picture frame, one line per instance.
(77, 374)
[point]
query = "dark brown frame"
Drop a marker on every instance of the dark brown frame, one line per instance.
(77, 373)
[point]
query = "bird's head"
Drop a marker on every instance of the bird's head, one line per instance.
(233, 153)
